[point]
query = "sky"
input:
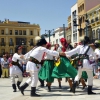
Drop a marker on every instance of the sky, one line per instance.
(49, 14)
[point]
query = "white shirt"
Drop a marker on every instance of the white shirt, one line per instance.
(38, 52)
(81, 50)
(48, 56)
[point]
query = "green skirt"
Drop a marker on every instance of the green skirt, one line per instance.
(46, 71)
(64, 69)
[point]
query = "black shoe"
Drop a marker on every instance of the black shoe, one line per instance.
(90, 90)
(14, 87)
(33, 92)
(18, 84)
(74, 86)
(60, 86)
(35, 95)
(70, 90)
(23, 87)
(49, 89)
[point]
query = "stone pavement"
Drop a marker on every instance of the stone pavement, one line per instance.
(56, 94)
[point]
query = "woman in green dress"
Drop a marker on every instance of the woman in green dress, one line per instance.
(46, 70)
(63, 67)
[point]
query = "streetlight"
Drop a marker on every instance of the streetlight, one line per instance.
(64, 30)
(49, 33)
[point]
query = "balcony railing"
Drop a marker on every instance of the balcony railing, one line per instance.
(3, 44)
(11, 44)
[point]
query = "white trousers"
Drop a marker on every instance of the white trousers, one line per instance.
(20, 78)
(89, 73)
(33, 80)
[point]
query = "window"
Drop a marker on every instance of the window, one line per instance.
(16, 32)
(31, 32)
(83, 19)
(11, 51)
(83, 6)
(24, 32)
(78, 9)
(20, 32)
(2, 32)
(31, 42)
(75, 37)
(10, 40)
(10, 32)
(98, 33)
(2, 51)
(93, 34)
(38, 33)
(2, 39)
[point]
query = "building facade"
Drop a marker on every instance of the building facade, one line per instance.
(94, 21)
(69, 30)
(56, 36)
(74, 13)
(13, 33)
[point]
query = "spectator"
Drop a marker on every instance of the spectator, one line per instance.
(5, 66)
(10, 58)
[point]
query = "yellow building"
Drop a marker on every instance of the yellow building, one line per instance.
(81, 16)
(91, 8)
(94, 21)
(13, 33)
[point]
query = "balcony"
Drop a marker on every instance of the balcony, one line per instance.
(11, 44)
(3, 44)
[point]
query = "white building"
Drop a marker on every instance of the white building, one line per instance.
(75, 33)
(55, 38)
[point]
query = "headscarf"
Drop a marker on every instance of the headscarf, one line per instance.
(48, 45)
(63, 40)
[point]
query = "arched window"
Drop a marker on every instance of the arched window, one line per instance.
(93, 34)
(98, 33)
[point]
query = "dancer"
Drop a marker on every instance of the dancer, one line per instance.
(15, 68)
(32, 65)
(46, 70)
(63, 67)
(85, 51)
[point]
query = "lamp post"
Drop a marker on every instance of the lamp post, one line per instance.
(64, 30)
(49, 33)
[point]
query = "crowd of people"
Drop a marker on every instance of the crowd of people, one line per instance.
(76, 64)
(5, 61)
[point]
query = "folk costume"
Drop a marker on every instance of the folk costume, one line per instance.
(46, 70)
(32, 65)
(63, 67)
(16, 69)
(84, 63)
